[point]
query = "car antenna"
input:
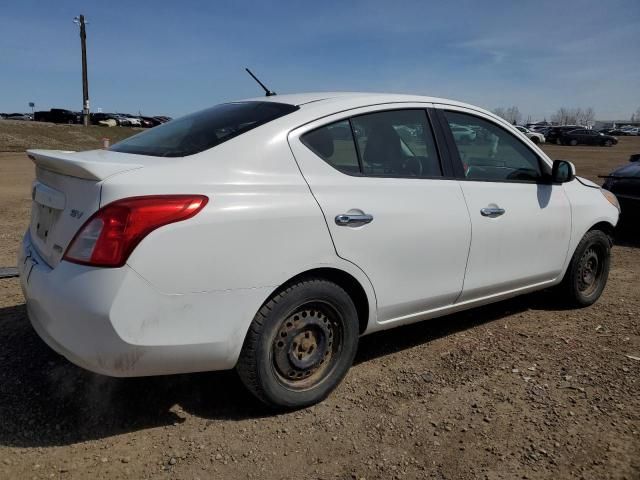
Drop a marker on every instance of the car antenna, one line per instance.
(268, 93)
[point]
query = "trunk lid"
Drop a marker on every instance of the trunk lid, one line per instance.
(66, 192)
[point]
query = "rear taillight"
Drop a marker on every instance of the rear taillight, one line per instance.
(110, 235)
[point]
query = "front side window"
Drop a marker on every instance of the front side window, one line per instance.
(202, 130)
(488, 152)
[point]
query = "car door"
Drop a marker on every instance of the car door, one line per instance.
(582, 137)
(593, 137)
(390, 205)
(521, 222)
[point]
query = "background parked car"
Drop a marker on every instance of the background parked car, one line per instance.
(463, 134)
(108, 119)
(536, 127)
(535, 137)
(130, 120)
(556, 134)
(18, 116)
(588, 137)
(625, 183)
(149, 122)
(58, 115)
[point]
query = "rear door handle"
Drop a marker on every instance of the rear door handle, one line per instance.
(353, 220)
(492, 212)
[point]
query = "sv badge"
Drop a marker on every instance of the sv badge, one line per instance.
(76, 213)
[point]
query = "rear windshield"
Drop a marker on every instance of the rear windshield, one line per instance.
(202, 130)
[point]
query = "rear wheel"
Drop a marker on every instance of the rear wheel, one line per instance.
(573, 142)
(535, 140)
(588, 271)
(608, 143)
(300, 344)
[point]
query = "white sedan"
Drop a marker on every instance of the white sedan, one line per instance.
(535, 137)
(268, 235)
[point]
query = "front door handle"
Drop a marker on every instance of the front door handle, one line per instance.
(492, 212)
(353, 220)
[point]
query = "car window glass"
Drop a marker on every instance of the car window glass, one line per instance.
(334, 144)
(396, 143)
(488, 152)
(202, 130)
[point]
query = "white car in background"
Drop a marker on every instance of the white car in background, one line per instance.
(463, 133)
(268, 235)
(535, 137)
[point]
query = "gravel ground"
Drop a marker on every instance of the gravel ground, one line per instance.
(518, 389)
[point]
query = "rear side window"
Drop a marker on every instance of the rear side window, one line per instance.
(202, 130)
(394, 143)
(334, 144)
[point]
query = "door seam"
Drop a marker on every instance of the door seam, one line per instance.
(464, 277)
(324, 217)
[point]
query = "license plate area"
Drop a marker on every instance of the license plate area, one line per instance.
(44, 220)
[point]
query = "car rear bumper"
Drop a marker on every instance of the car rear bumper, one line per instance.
(113, 322)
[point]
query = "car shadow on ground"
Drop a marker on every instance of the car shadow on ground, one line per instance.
(46, 401)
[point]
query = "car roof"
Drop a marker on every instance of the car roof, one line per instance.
(316, 105)
(338, 101)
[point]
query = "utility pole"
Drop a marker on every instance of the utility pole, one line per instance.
(85, 83)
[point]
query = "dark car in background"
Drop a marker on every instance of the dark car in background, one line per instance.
(556, 134)
(625, 183)
(149, 122)
(583, 136)
(58, 115)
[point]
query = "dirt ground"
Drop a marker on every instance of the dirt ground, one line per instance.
(518, 389)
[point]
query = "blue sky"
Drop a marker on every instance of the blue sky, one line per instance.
(170, 57)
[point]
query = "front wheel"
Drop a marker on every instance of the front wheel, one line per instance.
(573, 142)
(608, 143)
(300, 344)
(588, 271)
(535, 140)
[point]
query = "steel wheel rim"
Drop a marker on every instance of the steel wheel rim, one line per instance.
(307, 345)
(590, 271)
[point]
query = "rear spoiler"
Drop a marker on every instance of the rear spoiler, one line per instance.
(91, 165)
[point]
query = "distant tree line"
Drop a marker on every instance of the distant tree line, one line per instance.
(564, 115)
(510, 114)
(574, 116)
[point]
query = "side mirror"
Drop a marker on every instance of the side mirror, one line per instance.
(562, 171)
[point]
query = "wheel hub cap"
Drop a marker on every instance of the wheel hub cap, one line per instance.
(303, 344)
(589, 271)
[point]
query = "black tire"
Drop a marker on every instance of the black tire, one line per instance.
(587, 274)
(535, 140)
(608, 143)
(300, 344)
(573, 142)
